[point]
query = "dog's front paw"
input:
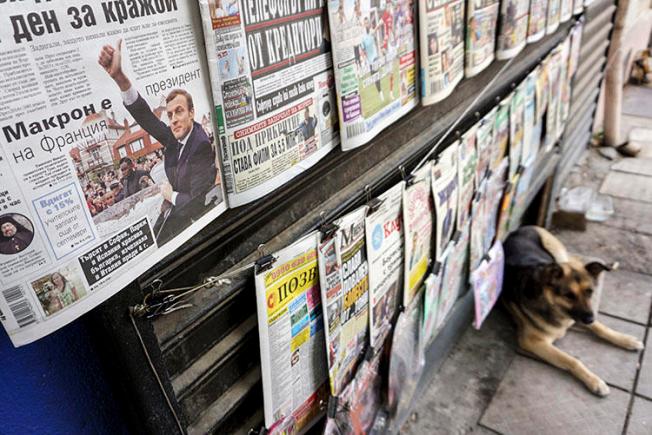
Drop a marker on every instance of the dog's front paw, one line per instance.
(599, 387)
(631, 343)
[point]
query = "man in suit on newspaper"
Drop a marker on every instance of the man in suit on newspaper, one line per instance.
(189, 157)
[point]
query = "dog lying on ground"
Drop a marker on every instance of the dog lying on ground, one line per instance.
(546, 291)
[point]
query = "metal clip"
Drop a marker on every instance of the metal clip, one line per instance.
(408, 178)
(265, 261)
(332, 406)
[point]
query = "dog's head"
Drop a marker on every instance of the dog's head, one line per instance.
(569, 287)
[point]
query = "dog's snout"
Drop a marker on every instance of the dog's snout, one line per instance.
(587, 318)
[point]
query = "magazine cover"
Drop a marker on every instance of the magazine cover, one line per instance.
(418, 211)
(441, 38)
(466, 171)
(485, 144)
(291, 330)
(431, 301)
(455, 274)
(536, 28)
(445, 192)
(384, 230)
(375, 61)
(344, 283)
(481, 24)
(494, 195)
(531, 126)
(513, 25)
(501, 134)
(107, 153)
(359, 402)
(516, 119)
(553, 16)
(565, 10)
(406, 361)
(487, 283)
(273, 86)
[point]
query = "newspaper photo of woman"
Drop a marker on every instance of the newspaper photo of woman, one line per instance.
(15, 236)
(58, 290)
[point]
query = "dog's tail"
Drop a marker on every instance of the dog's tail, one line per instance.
(551, 244)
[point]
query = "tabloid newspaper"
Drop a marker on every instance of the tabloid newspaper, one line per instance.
(466, 170)
(108, 160)
(565, 10)
(553, 16)
(477, 224)
(359, 402)
(292, 346)
(542, 91)
(536, 28)
(344, 282)
(485, 144)
(445, 191)
(518, 202)
(516, 133)
(418, 211)
(487, 283)
(431, 301)
(441, 38)
(375, 62)
(455, 274)
(273, 87)
(481, 24)
(501, 134)
(384, 230)
(494, 194)
(531, 124)
(513, 25)
(553, 129)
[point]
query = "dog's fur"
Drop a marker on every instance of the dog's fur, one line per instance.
(547, 291)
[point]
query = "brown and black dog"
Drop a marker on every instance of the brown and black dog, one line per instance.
(547, 291)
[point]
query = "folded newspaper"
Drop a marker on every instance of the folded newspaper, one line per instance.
(108, 157)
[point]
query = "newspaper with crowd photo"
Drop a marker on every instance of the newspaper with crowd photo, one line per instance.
(512, 28)
(536, 28)
(481, 24)
(108, 161)
(273, 87)
(441, 37)
(375, 62)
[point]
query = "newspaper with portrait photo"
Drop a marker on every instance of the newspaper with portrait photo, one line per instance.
(481, 24)
(512, 28)
(108, 154)
(375, 63)
(536, 28)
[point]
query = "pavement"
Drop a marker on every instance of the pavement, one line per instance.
(486, 386)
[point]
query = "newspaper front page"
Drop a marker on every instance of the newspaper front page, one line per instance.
(513, 25)
(553, 129)
(445, 195)
(466, 171)
(566, 79)
(418, 211)
(537, 21)
(516, 131)
(501, 134)
(531, 125)
(431, 300)
(454, 279)
(487, 283)
(107, 152)
(553, 16)
(442, 48)
(273, 86)
(481, 24)
(375, 62)
(291, 330)
(384, 230)
(485, 144)
(344, 283)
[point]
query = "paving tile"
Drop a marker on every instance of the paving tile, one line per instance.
(631, 215)
(458, 395)
(644, 385)
(553, 402)
(616, 366)
(640, 422)
(480, 430)
(627, 295)
(632, 250)
(629, 186)
(636, 101)
(640, 166)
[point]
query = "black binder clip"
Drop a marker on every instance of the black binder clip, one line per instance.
(520, 169)
(456, 236)
(265, 261)
(408, 178)
(328, 230)
(372, 203)
(369, 353)
(260, 431)
(331, 409)
(436, 268)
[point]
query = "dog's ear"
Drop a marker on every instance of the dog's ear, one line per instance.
(596, 267)
(551, 273)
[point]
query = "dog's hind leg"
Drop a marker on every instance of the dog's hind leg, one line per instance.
(558, 358)
(618, 338)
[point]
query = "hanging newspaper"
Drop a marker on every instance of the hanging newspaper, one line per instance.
(445, 195)
(512, 34)
(553, 16)
(418, 221)
(576, 45)
(566, 79)
(292, 346)
(359, 402)
(344, 283)
(518, 202)
(479, 217)
(485, 144)
(384, 231)
(455, 274)
(375, 61)
(494, 194)
(431, 301)
(487, 283)
(542, 90)
(501, 134)
(537, 22)
(273, 86)
(481, 23)
(442, 48)
(531, 126)
(554, 93)
(565, 10)
(504, 213)
(466, 169)
(516, 118)
(107, 157)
